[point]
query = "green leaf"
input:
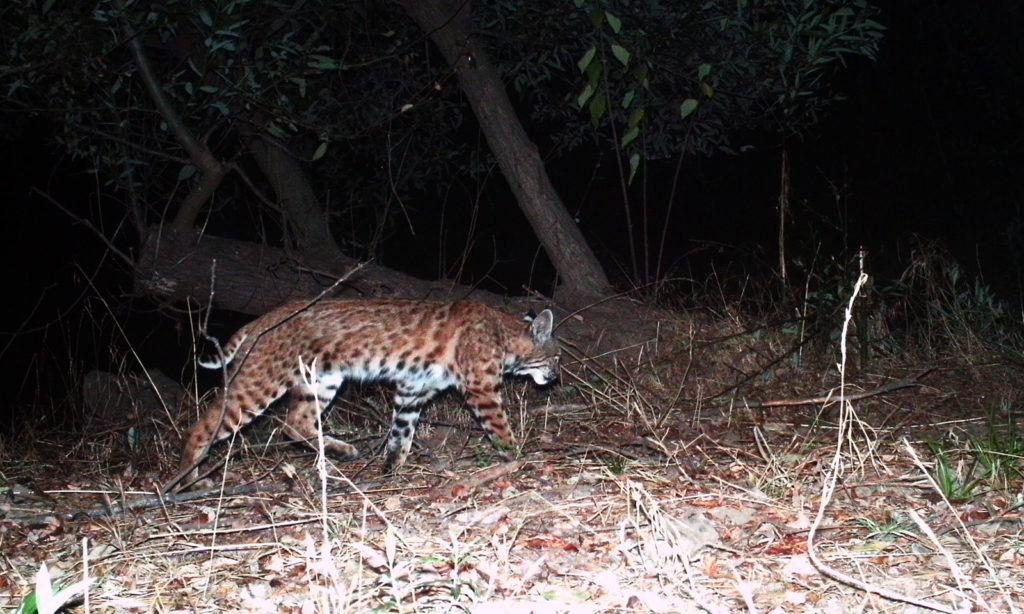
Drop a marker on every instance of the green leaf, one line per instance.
(636, 117)
(689, 106)
(634, 163)
(642, 73)
(323, 62)
(29, 605)
(303, 85)
(585, 95)
(621, 54)
(587, 58)
(628, 99)
(277, 131)
(204, 16)
(628, 138)
(703, 71)
(187, 172)
(44, 590)
(613, 21)
(598, 108)
(320, 150)
(229, 45)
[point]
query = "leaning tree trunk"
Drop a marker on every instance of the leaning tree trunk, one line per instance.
(303, 213)
(449, 24)
(253, 278)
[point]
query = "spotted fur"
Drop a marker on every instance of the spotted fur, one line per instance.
(421, 347)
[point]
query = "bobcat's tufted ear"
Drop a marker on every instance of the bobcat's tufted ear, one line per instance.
(541, 327)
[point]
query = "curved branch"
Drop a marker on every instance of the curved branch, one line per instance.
(212, 169)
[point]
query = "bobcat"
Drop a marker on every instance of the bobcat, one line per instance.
(421, 347)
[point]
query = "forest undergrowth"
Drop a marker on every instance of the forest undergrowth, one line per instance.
(858, 446)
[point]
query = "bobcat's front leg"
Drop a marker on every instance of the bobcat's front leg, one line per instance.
(484, 400)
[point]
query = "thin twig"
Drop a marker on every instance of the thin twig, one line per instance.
(845, 398)
(89, 225)
(148, 502)
(832, 477)
(480, 478)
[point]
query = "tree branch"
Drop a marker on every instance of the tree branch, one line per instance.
(212, 170)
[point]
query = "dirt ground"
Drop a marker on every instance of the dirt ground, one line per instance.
(658, 483)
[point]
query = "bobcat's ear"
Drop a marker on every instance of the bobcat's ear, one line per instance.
(540, 330)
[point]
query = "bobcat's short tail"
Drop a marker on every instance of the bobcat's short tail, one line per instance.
(219, 362)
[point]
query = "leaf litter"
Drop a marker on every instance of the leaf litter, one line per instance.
(627, 497)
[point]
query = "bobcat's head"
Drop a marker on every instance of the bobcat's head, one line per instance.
(540, 360)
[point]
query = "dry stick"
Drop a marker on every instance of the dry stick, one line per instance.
(309, 378)
(480, 478)
(599, 370)
(224, 374)
(371, 505)
(147, 502)
(124, 334)
(682, 382)
(85, 572)
(764, 368)
(960, 524)
(845, 398)
(958, 574)
(574, 313)
(828, 488)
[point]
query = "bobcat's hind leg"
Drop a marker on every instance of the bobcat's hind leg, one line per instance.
(300, 424)
(222, 415)
(409, 401)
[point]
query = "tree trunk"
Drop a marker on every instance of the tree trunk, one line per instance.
(303, 212)
(253, 278)
(449, 25)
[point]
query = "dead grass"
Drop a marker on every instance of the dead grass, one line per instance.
(610, 517)
(656, 484)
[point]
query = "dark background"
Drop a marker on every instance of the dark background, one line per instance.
(928, 144)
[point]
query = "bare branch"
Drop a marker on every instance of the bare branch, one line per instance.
(212, 170)
(123, 256)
